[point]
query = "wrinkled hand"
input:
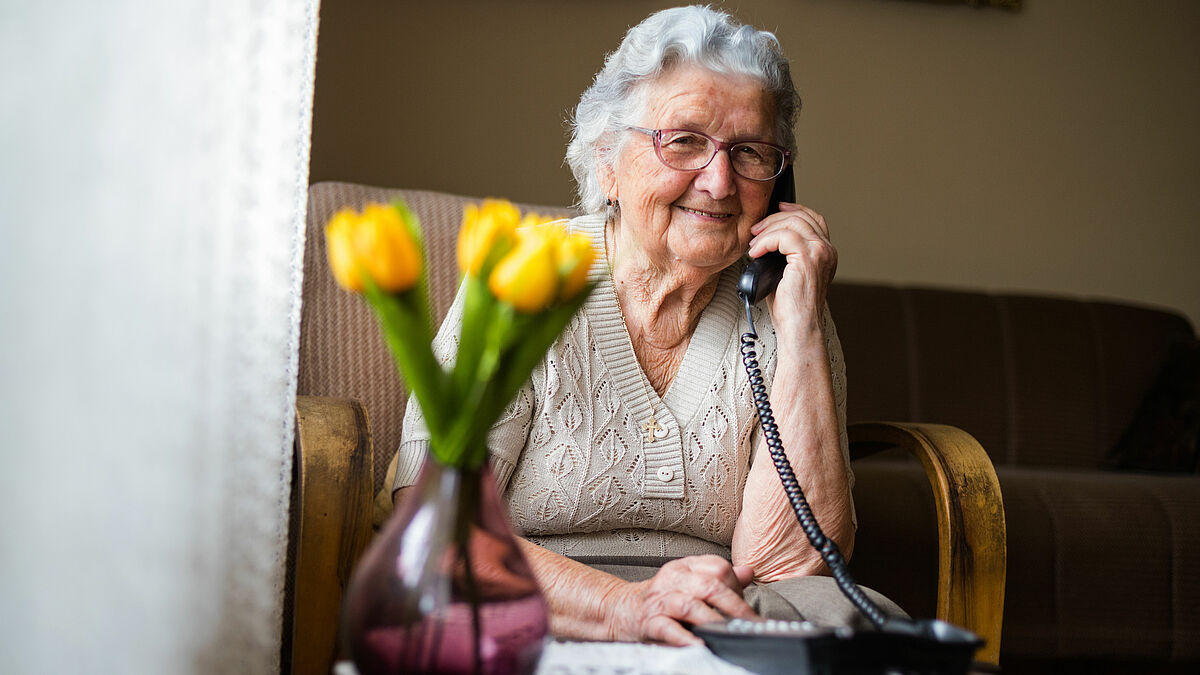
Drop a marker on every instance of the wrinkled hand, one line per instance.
(802, 235)
(695, 590)
(494, 562)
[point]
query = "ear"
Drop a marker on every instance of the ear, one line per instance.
(608, 182)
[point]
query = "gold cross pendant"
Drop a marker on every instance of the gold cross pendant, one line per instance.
(654, 430)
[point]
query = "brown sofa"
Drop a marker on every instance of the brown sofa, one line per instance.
(1089, 411)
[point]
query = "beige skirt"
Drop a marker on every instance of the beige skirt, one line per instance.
(814, 599)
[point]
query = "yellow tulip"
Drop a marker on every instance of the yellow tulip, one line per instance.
(487, 231)
(575, 256)
(533, 220)
(339, 244)
(386, 249)
(378, 243)
(527, 278)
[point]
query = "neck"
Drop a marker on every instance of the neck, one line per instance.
(661, 303)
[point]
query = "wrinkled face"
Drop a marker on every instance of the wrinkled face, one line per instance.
(699, 218)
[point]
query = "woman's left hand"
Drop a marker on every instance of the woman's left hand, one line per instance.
(802, 235)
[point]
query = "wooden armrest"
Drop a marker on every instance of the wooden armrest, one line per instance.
(332, 523)
(972, 544)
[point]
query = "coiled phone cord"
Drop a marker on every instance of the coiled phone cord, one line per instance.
(791, 487)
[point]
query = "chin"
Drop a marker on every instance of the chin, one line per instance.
(712, 259)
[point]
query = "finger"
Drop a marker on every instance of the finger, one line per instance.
(705, 575)
(710, 565)
(802, 224)
(817, 219)
(669, 631)
(715, 592)
(701, 583)
(786, 240)
(744, 574)
(779, 219)
(690, 609)
(799, 218)
(729, 602)
(722, 570)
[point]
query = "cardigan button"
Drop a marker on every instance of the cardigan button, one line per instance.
(665, 474)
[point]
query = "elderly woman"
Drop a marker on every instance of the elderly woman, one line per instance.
(633, 461)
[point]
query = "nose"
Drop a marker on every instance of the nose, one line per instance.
(717, 179)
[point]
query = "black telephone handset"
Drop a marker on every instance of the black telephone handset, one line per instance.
(897, 645)
(764, 272)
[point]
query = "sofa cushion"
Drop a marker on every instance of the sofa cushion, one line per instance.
(1099, 563)
(1038, 380)
(1165, 433)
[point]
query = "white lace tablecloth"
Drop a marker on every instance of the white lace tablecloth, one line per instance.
(618, 658)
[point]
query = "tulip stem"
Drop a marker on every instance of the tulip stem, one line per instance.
(408, 334)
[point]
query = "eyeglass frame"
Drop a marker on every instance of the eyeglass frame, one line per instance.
(656, 135)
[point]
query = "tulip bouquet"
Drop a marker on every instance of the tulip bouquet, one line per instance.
(525, 278)
(444, 587)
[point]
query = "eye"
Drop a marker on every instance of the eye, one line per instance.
(682, 140)
(755, 153)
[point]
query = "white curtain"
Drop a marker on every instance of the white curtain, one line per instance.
(153, 171)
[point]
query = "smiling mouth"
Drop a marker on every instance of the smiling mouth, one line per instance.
(705, 214)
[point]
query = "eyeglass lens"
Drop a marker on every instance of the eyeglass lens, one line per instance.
(689, 151)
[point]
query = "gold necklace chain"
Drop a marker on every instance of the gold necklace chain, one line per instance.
(654, 430)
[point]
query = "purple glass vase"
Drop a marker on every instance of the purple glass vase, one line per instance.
(444, 587)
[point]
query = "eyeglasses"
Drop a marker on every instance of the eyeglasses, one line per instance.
(685, 150)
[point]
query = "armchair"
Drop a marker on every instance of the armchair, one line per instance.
(342, 452)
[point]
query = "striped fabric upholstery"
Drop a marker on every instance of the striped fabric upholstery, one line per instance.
(1102, 564)
(342, 352)
(1038, 380)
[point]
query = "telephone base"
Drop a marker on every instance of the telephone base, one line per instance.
(775, 647)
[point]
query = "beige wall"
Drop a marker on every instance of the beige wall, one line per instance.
(1052, 149)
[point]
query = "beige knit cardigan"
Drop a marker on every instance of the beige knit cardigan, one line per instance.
(574, 464)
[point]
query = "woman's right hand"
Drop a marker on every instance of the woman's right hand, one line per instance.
(693, 590)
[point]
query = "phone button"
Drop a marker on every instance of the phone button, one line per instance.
(665, 474)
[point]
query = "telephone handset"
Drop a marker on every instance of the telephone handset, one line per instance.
(764, 272)
(897, 645)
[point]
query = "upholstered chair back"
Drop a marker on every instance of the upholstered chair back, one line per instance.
(342, 353)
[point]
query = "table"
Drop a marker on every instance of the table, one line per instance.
(617, 658)
(624, 658)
